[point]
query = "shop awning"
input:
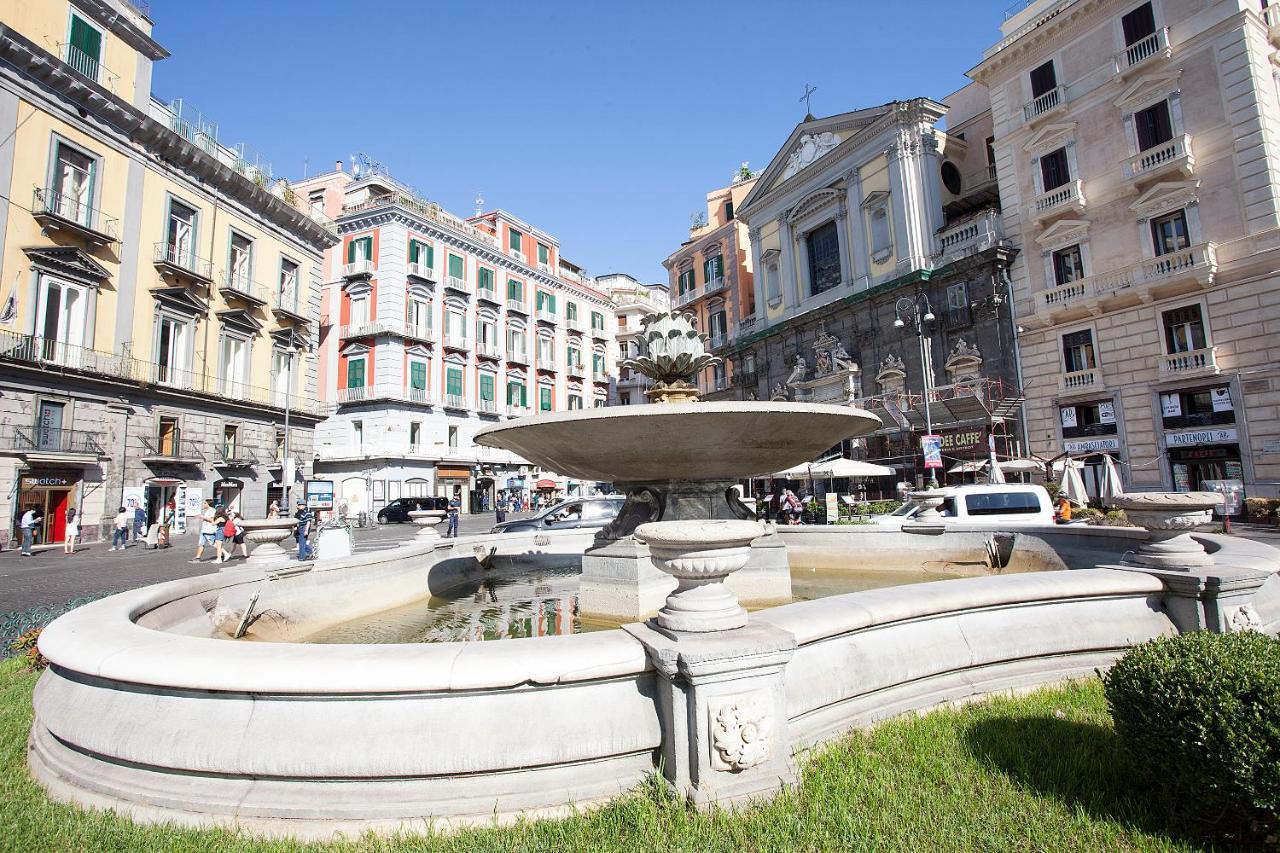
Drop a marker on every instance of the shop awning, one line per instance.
(543, 485)
(834, 469)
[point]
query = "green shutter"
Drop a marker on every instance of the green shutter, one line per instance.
(455, 266)
(355, 373)
(431, 256)
(571, 310)
(453, 381)
(551, 302)
(515, 239)
(86, 39)
(538, 298)
(418, 375)
(544, 399)
(485, 277)
(543, 254)
(351, 251)
(515, 290)
(486, 386)
(414, 248)
(574, 358)
(719, 259)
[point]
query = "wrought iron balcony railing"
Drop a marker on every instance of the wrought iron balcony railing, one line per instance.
(41, 439)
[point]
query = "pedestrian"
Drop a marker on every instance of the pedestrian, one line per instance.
(120, 530)
(207, 530)
(139, 522)
(303, 515)
(219, 533)
(273, 510)
(166, 524)
(238, 539)
(793, 507)
(30, 521)
(228, 529)
(455, 509)
(73, 532)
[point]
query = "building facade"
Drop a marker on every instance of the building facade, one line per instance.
(434, 326)
(156, 287)
(631, 302)
(1138, 149)
(861, 219)
(711, 277)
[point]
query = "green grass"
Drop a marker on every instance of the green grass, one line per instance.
(1039, 772)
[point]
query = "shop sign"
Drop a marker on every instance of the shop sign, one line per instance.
(229, 483)
(453, 473)
(134, 497)
(1171, 405)
(515, 482)
(1107, 412)
(192, 503)
(1068, 417)
(1091, 445)
(1221, 399)
(931, 445)
(1200, 436)
(45, 482)
(963, 441)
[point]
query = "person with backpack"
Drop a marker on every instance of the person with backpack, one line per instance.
(233, 534)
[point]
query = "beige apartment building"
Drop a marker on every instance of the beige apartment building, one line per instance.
(1138, 153)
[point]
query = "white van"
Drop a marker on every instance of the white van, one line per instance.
(992, 503)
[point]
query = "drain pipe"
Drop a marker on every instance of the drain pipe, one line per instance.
(1007, 283)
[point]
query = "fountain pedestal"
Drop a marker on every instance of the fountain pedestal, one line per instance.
(266, 534)
(427, 521)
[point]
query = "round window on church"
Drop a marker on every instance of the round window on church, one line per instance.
(951, 177)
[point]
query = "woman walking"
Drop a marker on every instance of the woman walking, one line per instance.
(234, 532)
(120, 531)
(73, 532)
(166, 523)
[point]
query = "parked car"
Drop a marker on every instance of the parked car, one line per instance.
(568, 515)
(398, 510)
(991, 503)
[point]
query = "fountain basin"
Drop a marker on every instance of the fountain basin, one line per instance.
(266, 534)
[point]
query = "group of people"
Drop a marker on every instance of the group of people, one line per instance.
(222, 529)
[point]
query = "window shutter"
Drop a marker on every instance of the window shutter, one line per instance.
(355, 373)
(86, 39)
(454, 381)
(351, 252)
(455, 266)
(418, 375)
(486, 386)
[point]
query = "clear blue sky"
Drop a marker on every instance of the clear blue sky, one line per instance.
(604, 123)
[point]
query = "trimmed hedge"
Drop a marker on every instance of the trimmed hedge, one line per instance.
(1199, 715)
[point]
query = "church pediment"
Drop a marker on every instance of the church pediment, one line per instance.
(68, 262)
(1050, 138)
(1064, 232)
(815, 202)
(1165, 196)
(1145, 90)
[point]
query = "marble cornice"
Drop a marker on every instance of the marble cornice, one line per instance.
(122, 28)
(1035, 38)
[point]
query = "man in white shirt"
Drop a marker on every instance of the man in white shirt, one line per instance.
(207, 529)
(30, 520)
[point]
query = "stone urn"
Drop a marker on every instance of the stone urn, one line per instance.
(929, 501)
(1170, 517)
(427, 520)
(266, 534)
(700, 555)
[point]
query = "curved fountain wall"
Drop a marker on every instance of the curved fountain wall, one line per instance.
(146, 711)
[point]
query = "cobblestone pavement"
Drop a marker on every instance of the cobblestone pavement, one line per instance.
(50, 578)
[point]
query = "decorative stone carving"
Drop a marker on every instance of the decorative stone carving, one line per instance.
(700, 555)
(799, 370)
(1245, 618)
(1169, 517)
(892, 376)
(811, 147)
(965, 362)
(779, 393)
(741, 733)
(674, 352)
(836, 377)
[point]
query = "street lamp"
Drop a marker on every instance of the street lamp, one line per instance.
(918, 311)
(286, 469)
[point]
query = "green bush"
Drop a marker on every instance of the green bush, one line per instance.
(1199, 715)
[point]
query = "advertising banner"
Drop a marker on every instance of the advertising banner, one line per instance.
(1171, 405)
(320, 494)
(192, 504)
(931, 445)
(1107, 412)
(1221, 399)
(1068, 417)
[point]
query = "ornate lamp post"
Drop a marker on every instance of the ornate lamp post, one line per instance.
(919, 312)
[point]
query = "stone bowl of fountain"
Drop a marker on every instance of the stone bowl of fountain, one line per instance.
(678, 463)
(1170, 517)
(427, 521)
(266, 534)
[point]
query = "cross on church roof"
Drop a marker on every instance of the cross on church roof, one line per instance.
(808, 108)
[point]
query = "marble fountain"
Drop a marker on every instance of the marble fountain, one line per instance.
(151, 708)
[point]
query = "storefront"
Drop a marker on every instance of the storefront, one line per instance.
(227, 493)
(1090, 433)
(1201, 440)
(454, 482)
(52, 493)
(161, 490)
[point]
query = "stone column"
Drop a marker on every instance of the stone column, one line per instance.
(842, 230)
(759, 276)
(859, 262)
(789, 282)
(913, 182)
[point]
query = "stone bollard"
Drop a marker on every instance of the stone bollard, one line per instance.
(721, 694)
(267, 534)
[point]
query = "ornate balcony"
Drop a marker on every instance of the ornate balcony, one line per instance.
(687, 297)
(44, 444)
(455, 401)
(517, 305)
(421, 396)
(487, 349)
(967, 237)
(1164, 275)
(57, 212)
(1080, 380)
(1048, 103)
(286, 305)
(517, 356)
(456, 341)
(713, 285)
(547, 362)
(487, 407)
(235, 285)
(488, 294)
(362, 330)
(599, 376)
(459, 284)
(171, 447)
(1197, 362)
(517, 411)
(1172, 156)
(1147, 50)
(546, 316)
(576, 368)
(362, 268)
(177, 261)
(1068, 198)
(419, 332)
(422, 272)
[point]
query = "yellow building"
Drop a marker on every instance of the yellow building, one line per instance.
(157, 287)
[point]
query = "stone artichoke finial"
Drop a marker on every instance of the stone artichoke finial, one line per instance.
(673, 353)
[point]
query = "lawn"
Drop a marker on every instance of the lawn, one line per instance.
(1039, 772)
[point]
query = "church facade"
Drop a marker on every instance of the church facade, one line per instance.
(871, 216)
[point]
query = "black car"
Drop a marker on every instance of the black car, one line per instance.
(398, 510)
(574, 513)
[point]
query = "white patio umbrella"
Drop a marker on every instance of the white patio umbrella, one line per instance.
(1110, 486)
(835, 469)
(1072, 486)
(995, 474)
(1022, 466)
(971, 467)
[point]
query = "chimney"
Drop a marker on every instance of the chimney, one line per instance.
(337, 165)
